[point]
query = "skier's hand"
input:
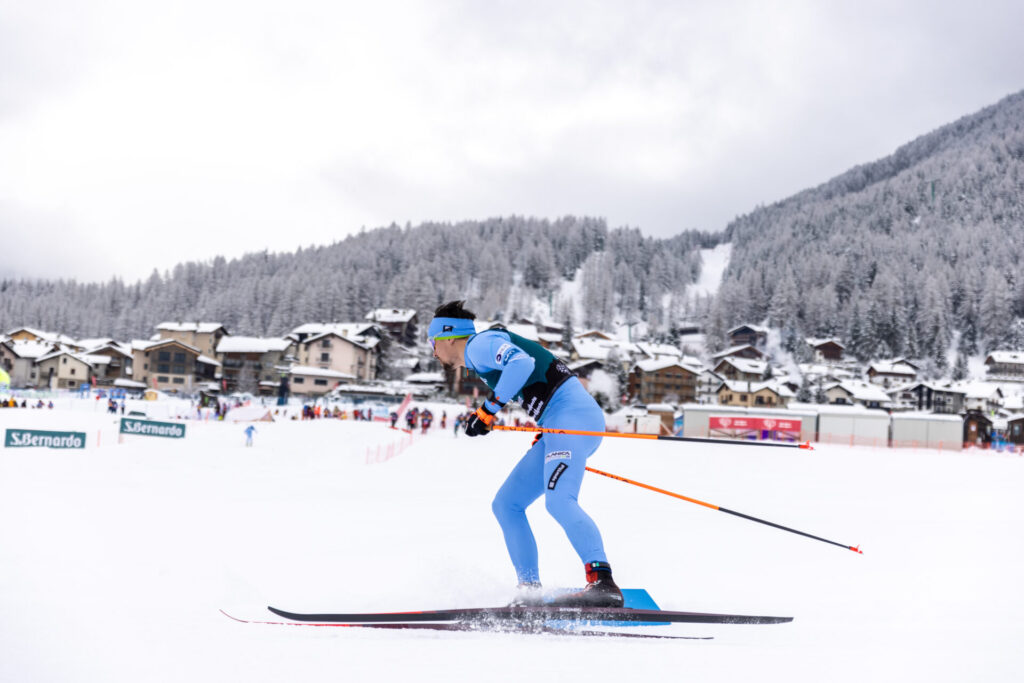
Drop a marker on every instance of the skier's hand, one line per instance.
(480, 422)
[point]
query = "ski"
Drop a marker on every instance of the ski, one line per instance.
(534, 615)
(507, 628)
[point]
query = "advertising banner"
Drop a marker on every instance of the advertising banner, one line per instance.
(747, 427)
(136, 427)
(34, 438)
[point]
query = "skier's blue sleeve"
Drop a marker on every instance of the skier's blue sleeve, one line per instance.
(494, 351)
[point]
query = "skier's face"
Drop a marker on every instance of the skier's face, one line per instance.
(450, 352)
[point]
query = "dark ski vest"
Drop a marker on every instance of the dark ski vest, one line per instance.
(548, 374)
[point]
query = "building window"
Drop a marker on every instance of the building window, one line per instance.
(299, 380)
(320, 382)
(161, 379)
(179, 380)
(164, 356)
(325, 344)
(325, 357)
(72, 371)
(178, 369)
(163, 367)
(179, 358)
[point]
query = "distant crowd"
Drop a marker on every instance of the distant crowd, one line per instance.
(11, 403)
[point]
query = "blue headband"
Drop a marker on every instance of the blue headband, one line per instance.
(450, 328)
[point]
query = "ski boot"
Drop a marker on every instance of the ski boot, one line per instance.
(601, 590)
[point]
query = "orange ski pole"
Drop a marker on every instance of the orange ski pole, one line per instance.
(855, 549)
(652, 437)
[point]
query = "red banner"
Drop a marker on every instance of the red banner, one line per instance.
(743, 423)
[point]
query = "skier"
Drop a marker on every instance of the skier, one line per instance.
(515, 368)
(249, 431)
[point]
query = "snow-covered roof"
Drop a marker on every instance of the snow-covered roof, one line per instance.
(391, 315)
(862, 391)
(741, 387)
(306, 371)
(732, 350)
(123, 349)
(52, 337)
(425, 378)
(755, 328)
(146, 345)
(654, 365)
(525, 331)
(549, 337)
(354, 329)
(747, 365)
(89, 344)
(656, 350)
(30, 349)
(1006, 357)
(207, 360)
(129, 384)
(91, 361)
(199, 328)
(892, 367)
(599, 349)
(252, 344)
(981, 390)
(819, 342)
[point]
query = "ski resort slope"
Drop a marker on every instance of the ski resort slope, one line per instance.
(115, 560)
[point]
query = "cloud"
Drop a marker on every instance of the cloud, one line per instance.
(152, 134)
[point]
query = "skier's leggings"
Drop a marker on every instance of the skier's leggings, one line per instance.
(553, 467)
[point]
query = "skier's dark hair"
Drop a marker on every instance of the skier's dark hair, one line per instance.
(454, 309)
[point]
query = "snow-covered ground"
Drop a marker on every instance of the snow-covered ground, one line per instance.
(115, 560)
(715, 262)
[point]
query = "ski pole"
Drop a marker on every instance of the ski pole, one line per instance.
(659, 437)
(855, 549)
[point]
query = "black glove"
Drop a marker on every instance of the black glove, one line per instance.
(536, 439)
(480, 422)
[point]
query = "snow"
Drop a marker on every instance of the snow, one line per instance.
(116, 559)
(715, 262)
(252, 344)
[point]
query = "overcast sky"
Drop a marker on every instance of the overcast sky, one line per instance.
(137, 134)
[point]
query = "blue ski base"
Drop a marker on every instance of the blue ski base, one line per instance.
(635, 598)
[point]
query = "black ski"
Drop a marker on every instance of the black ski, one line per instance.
(534, 615)
(509, 628)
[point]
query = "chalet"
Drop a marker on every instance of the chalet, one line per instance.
(708, 384)
(34, 335)
(64, 369)
(652, 351)
(852, 392)
(201, 336)
(741, 351)
(984, 397)
(756, 394)
(310, 381)
(118, 364)
(1005, 365)
(753, 335)
(254, 363)
(742, 369)
(400, 323)
(890, 372)
(937, 399)
(584, 367)
(18, 358)
(663, 381)
(826, 350)
(351, 355)
(171, 365)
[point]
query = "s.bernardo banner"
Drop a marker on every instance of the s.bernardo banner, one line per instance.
(34, 438)
(170, 430)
